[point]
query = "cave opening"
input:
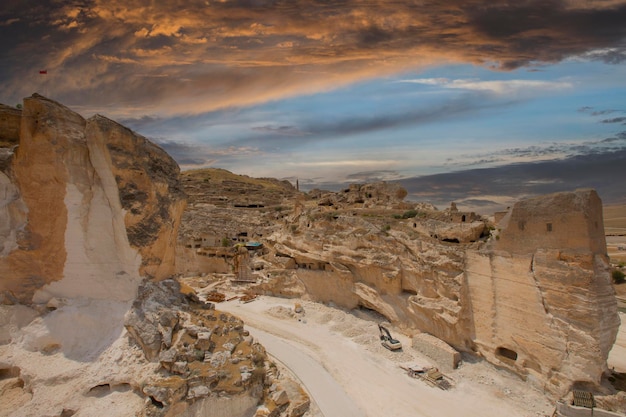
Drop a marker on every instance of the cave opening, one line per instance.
(506, 353)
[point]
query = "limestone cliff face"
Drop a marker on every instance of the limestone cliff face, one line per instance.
(88, 211)
(89, 208)
(542, 300)
(411, 278)
(147, 182)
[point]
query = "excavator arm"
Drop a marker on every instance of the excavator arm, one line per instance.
(386, 340)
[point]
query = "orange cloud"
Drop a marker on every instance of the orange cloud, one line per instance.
(211, 55)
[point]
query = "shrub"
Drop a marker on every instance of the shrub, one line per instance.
(225, 242)
(618, 276)
(409, 214)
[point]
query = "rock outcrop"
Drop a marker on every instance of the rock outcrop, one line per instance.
(91, 208)
(201, 353)
(74, 253)
(10, 120)
(380, 194)
(541, 294)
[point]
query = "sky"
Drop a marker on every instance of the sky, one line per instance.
(334, 92)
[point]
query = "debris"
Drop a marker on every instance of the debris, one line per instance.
(247, 298)
(216, 297)
(430, 374)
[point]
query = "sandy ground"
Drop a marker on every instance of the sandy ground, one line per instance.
(370, 380)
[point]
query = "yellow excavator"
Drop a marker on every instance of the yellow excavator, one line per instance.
(386, 340)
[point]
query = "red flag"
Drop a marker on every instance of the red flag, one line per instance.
(43, 71)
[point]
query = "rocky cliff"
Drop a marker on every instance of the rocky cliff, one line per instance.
(90, 324)
(92, 208)
(542, 300)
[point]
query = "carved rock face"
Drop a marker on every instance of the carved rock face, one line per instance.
(542, 300)
(535, 298)
(99, 208)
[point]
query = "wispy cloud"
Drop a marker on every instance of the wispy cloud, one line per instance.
(345, 163)
(281, 130)
(539, 152)
(615, 120)
(194, 155)
(310, 129)
(507, 87)
(374, 176)
(603, 112)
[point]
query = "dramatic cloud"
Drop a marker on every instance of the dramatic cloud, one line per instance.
(195, 156)
(168, 57)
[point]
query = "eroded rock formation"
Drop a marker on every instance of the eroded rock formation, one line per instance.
(200, 353)
(91, 208)
(536, 297)
(71, 260)
(541, 294)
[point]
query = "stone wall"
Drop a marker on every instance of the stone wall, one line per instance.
(443, 354)
(564, 409)
(562, 220)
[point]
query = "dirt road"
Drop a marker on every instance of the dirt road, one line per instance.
(367, 378)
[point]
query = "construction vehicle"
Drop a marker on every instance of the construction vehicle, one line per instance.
(386, 340)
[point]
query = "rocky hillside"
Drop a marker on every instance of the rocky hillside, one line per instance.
(503, 288)
(214, 193)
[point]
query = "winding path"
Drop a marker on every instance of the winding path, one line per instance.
(347, 379)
